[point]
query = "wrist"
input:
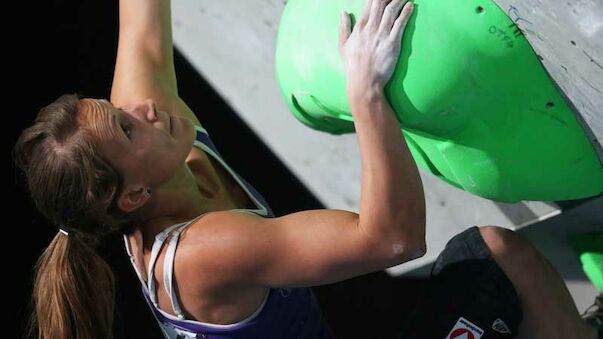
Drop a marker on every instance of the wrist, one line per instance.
(364, 94)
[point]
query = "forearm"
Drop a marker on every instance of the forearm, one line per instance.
(145, 37)
(392, 202)
(147, 18)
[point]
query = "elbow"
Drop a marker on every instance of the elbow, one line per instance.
(417, 242)
(411, 246)
(399, 245)
(418, 250)
(418, 245)
(405, 250)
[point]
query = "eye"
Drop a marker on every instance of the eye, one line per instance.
(126, 128)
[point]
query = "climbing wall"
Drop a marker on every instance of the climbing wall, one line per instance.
(567, 35)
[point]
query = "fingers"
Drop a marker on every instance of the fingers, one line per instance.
(345, 29)
(400, 23)
(391, 12)
(376, 14)
(366, 11)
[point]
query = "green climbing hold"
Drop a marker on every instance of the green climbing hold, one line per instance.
(590, 250)
(475, 105)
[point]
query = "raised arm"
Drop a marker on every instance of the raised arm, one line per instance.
(144, 68)
(392, 202)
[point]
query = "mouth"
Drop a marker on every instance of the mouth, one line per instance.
(171, 124)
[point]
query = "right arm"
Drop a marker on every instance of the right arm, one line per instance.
(392, 203)
(323, 246)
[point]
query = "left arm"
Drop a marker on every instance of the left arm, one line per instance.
(145, 59)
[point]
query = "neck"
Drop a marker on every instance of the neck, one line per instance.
(178, 200)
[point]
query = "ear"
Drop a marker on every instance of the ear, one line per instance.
(132, 198)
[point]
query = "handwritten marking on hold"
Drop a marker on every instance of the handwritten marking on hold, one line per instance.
(513, 12)
(517, 32)
(502, 35)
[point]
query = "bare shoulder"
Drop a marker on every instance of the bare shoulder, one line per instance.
(219, 229)
(213, 243)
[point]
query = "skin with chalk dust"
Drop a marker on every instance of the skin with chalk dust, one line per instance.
(397, 249)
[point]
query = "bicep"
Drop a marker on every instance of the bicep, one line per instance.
(300, 249)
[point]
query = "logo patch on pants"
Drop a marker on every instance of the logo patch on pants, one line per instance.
(500, 326)
(464, 329)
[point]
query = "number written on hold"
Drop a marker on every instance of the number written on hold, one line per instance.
(502, 34)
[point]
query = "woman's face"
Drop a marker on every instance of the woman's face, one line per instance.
(144, 145)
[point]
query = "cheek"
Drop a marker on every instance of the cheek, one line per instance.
(167, 157)
(162, 157)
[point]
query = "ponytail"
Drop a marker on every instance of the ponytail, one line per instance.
(73, 293)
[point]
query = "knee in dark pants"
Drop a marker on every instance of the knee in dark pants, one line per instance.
(505, 244)
(468, 281)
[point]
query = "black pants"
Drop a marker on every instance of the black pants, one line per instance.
(469, 295)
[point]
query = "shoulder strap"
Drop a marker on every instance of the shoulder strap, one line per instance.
(168, 263)
(203, 140)
(157, 245)
(168, 271)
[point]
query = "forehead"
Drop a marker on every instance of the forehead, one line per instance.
(100, 117)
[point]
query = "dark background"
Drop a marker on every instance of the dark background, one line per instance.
(68, 46)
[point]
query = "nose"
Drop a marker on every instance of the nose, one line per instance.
(150, 110)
